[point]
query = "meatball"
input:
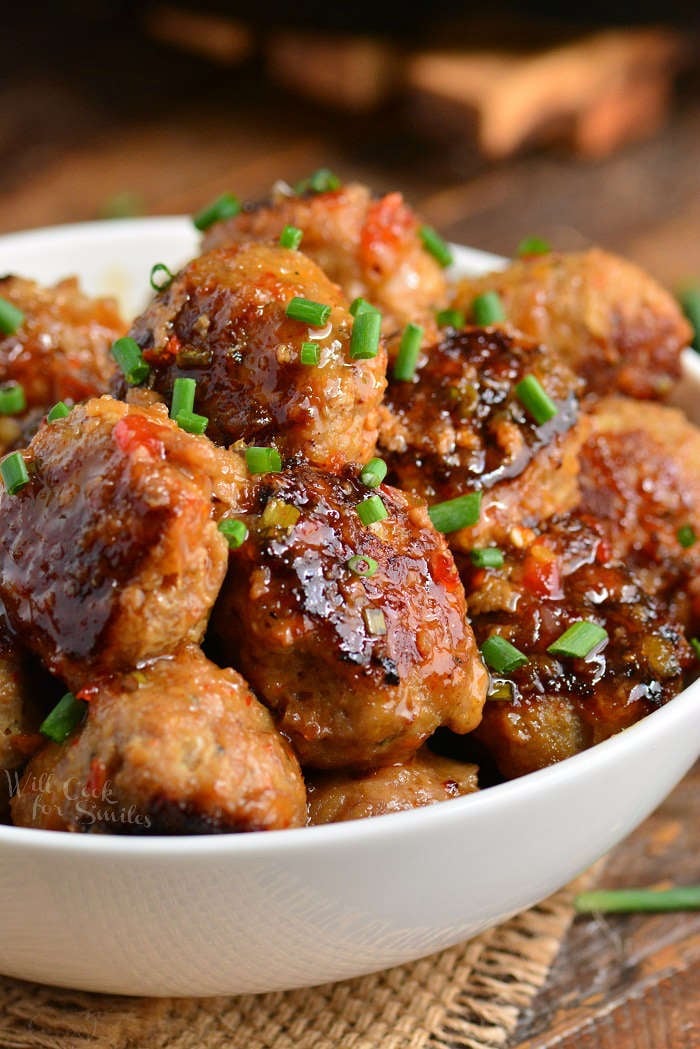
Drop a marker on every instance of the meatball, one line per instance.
(110, 554)
(355, 635)
(179, 747)
(60, 351)
(223, 322)
(609, 320)
(556, 705)
(371, 248)
(424, 780)
(459, 427)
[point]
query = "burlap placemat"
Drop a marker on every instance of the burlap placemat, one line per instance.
(468, 997)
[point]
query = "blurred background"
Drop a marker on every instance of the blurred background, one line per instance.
(495, 124)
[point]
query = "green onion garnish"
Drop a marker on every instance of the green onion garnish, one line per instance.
(234, 532)
(454, 514)
(161, 278)
(501, 656)
(191, 422)
(360, 305)
(224, 207)
(695, 645)
(374, 620)
(689, 299)
(322, 181)
(488, 309)
(14, 473)
(373, 473)
(534, 246)
(535, 401)
(581, 638)
(409, 350)
(433, 243)
(362, 565)
(366, 332)
(371, 510)
(10, 317)
(263, 460)
(64, 718)
(487, 557)
(184, 391)
(314, 313)
(291, 237)
(278, 514)
(686, 536)
(630, 901)
(309, 353)
(59, 411)
(451, 318)
(127, 354)
(12, 399)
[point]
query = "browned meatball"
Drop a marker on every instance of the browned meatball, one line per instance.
(110, 554)
(369, 247)
(424, 780)
(608, 319)
(459, 427)
(555, 706)
(223, 323)
(360, 669)
(60, 352)
(179, 747)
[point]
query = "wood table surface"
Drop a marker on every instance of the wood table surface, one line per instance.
(83, 126)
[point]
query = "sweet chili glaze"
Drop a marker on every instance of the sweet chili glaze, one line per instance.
(223, 322)
(359, 670)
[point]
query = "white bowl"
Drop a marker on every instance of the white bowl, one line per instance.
(242, 913)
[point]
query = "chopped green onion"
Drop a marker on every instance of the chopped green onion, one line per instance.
(630, 901)
(579, 640)
(362, 565)
(263, 460)
(191, 422)
(501, 656)
(433, 243)
(59, 411)
(695, 645)
(373, 473)
(278, 514)
(451, 318)
(164, 283)
(488, 309)
(535, 401)
(534, 246)
(309, 353)
(291, 237)
(689, 299)
(487, 557)
(12, 399)
(366, 332)
(224, 207)
(360, 305)
(314, 313)
(686, 536)
(184, 391)
(409, 350)
(127, 354)
(14, 473)
(234, 532)
(501, 691)
(454, 514)
(322, 181)
(375, 621)
(10, 317)
(371, 510)
(63, 719)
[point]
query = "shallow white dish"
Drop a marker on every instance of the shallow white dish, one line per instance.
(233, 914)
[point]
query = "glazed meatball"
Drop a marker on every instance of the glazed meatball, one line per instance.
(609, 320)
(424, 780)
(355, 635)
(109, 555)
(557, 705)
(459, 427)
(371, 248)
(223, 322)
(179, 747)
(60, 351)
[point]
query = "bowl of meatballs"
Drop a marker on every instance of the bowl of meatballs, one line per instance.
(349, 595)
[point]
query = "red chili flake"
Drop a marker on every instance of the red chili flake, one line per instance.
(88, 692)
(541, 574)
(134, 432)
(97, 777)
(603, 552)
(444, 571)
(171, 349)
(386, 227)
